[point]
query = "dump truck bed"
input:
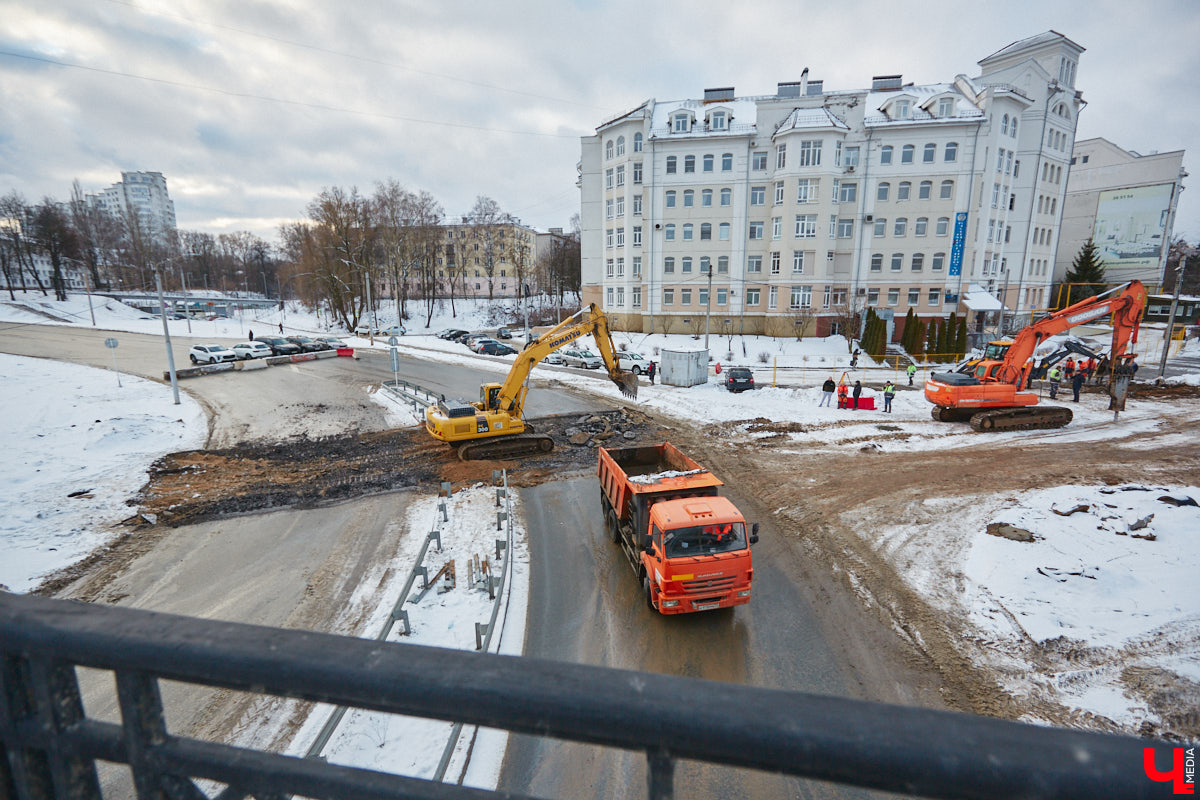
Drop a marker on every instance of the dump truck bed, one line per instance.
(655, 468)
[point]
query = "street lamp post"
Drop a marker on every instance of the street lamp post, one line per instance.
(162, 305)
(708, 306)
(187, 307)
(1184, 254)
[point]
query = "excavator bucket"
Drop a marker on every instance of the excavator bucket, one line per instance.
(627, 382)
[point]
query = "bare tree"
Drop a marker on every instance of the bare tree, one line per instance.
(14, 221)
(57, 239)
(98, 233)
(485, 218)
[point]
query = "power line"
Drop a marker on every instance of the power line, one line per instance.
(299, 103)
(352, 56)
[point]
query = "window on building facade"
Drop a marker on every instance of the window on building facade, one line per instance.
(726, 162)
(758, 195)
(705, 231)
(806, 226)
(723, 265)
(848, 193)
(717, 121)
(947, 190)
(921, 226)
(637, 205)
(758, 160)
(680, 123)
(754, 264)
(756, 230)
(925, 190)
(708, 163)
(929, 153)
(778, 192)
(935, 297)
(943, 226)
(668, 297)
(608, 179)
(636, 299)
(608, 268)
(671, 164)
(806, 191)
(845, 228)
(881, 193)
(670, 197)
(608, 150)
(850, 157)
(637, 172)
(893, 296)
(689, 163)
(876, 262)
(1004, 124)
(722, 297)
(637, 235)
(753, 297)
(880, 226)
(939, 261)
(775, 262)
(773, 297)
(950, 153)
(726, 197)
(801, 297)
(897, 262)
(872, 297)
(901, 227)
(608, 240)
(780, 156)
(620, 268)
(918, 262)
(706, 197)
(637, 143)
(777, 227)
(687, 232)
(906, 154)
(810, 153)
(608, 209)
(669, 232)
(620, 205)
(946, 107)
(668, 265)
(797, 262)
(723, 231)
(637, 266)
(885, 154)
(914, 297)
(685, 297)
(689, 198)
(702, 296)
(620, 145)
(903, 189)
(608, 302)
(620, 237)
(685, 265)
(621, 175)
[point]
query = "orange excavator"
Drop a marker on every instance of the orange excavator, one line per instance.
(993, 397)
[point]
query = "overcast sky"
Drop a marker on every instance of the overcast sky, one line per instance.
(251, 108)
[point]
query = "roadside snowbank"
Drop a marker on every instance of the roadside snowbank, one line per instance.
(67, 429)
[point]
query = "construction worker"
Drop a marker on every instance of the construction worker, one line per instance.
(1069, 368)
(912, 370)
(889, 391)
(1089, 369)
(1055, 375)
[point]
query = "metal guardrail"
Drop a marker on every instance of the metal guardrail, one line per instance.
(49, 744)
(411, 393)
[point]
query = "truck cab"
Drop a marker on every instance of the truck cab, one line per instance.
(698, 558)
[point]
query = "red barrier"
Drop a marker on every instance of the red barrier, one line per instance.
(304, 357)
(346, 352)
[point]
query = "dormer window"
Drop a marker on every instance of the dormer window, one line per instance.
(945, 107)
(902, 109)
(681, 123)
(717, 121)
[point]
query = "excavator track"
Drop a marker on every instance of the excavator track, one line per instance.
(1021, 419)
(943, 414)
(520, 444)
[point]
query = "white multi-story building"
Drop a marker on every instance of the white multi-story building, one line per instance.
(1125, 202)
(809, 204)
(145, 195)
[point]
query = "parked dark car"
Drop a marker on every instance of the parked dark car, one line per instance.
(471, 337)
(496, 349)
(308, 345)
(739, 379)
(279, 346)
(504, 333)
(452, 334)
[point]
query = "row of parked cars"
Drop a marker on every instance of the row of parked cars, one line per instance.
(262, 347)
(392, 330)
(483, 343)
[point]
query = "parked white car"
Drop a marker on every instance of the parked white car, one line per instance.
(211, 354)
(633, 362)
(248, 350)
(582, 358)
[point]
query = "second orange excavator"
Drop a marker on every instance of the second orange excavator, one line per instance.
(993, 396)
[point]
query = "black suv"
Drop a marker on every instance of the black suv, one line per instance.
(739, 379)
(279, 346)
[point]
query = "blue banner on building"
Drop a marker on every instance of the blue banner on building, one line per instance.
(960, 238)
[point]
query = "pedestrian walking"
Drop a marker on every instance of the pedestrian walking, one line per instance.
(827, 390)
(889, 391)
(1077, 385)
(1055, 375)
(912, 370)
(650, 373)
(252, 336)
(281, 327)
(854, 359)
(857, 392)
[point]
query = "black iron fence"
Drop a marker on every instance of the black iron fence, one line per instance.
(49, 745)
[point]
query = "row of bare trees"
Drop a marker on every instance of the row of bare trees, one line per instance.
(355, 248)
(117, 251)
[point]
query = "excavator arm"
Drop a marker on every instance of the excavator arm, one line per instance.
(590, 320)
(1125, 303)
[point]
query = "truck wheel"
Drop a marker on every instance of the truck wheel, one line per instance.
(610, 519)
(649, 592)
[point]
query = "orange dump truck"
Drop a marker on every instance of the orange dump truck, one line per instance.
(688, 546)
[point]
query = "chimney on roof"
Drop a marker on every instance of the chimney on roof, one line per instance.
(885, 82)
(814, 88)
(793, 88)
(718, 95)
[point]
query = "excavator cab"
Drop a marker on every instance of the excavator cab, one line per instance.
(996, 351)
(489, 396)
(986, 370)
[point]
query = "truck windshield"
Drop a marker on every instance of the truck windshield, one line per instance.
(701, 540)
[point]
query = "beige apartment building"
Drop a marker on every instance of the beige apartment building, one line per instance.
(467, 250)
(802, 206)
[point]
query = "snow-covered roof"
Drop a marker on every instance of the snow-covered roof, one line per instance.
(743, 116)
(810, 118)
(633, 113)
(1049, 37)
(964, 109)
(977, 299)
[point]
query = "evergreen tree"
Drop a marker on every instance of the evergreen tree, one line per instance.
(931, 337)
(906, 339)
(944, 336)
(960, 342)
(918, 338)
(1087, 268)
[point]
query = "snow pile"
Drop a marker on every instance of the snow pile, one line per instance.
(659, 476)
(1087, 599)
(76, 448)
(413, 745)
(400, 414)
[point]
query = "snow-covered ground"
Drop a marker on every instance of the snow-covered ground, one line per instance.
(1097, 612)
(70, 429)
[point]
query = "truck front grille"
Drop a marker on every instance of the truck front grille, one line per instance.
(706, 585)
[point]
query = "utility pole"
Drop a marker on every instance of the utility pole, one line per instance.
(1184, 255)
(370, 307)
(162, 305)
(708, 306)
(187, 306)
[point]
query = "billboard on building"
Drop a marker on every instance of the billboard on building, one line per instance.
(1131, 225)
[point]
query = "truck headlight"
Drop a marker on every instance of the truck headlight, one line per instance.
(668, 603)
(744, 593)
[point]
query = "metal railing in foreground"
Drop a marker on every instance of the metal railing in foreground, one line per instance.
(50, 746)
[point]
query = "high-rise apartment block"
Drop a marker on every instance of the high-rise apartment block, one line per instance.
(810, 203)
(144, 195)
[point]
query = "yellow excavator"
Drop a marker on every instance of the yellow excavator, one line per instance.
(495, 426)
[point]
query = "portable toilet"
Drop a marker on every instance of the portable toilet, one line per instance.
(683, 367)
